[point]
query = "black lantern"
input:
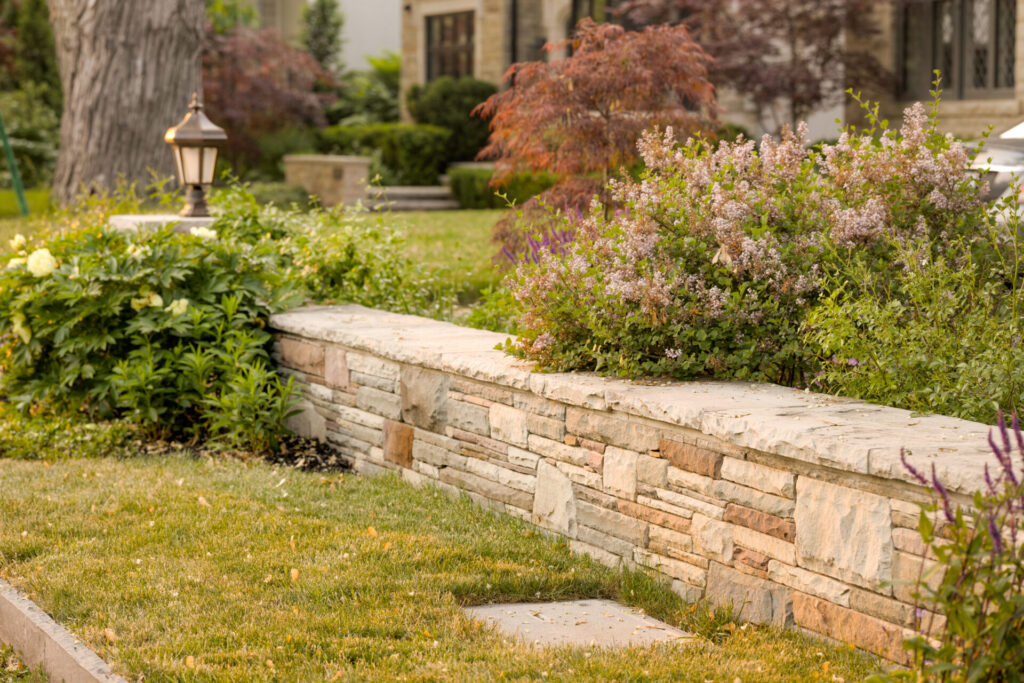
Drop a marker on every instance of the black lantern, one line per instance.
(195, 142)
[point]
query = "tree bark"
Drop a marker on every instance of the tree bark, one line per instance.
(128, 68)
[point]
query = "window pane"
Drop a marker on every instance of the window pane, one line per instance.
(450, 45)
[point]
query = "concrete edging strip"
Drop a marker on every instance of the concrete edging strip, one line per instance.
(45, 644)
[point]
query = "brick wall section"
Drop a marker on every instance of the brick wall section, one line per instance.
(791, 506)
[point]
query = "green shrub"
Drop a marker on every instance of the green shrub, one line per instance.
(369, 96)
(281, 195)
(448, 103)
(472, 188)
(274, 146)
(170, 330)
(408, 154)
(34, 130)
(155, 327)
(719, 252)
(936, 333)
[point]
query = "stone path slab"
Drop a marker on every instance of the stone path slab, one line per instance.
(600, 623)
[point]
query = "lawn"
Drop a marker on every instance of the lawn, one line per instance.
(178, 567)
(38, 202)
(457, 240)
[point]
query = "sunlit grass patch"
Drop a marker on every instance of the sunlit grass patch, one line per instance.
(183, 568)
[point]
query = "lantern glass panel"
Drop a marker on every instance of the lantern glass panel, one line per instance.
(209, 161)
(191, 163)
(177, 164)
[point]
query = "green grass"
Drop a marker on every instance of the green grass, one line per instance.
(13, 669)
(38, 202)
(457, 240)
(181, 568)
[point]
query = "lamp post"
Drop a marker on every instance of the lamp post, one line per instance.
(195, 142)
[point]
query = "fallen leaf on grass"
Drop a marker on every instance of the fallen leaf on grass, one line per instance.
(294, 574)
(203, 501)
(110, 635)
(337, 675)
(387, 546)
(190, 662)
(372, 532)
(268, 578)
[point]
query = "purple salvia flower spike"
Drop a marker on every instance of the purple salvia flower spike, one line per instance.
(993, 531)
(913, 470)
(988, 481)
(1001, 422)
(944, 494)
(1017, 433)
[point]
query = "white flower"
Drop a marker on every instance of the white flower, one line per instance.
(15, 262)
(137, 252)
(17, 242)
(204, 233)
(155, 300)
(18, 327)
(41, 262)
(147, 300)
(177, 307)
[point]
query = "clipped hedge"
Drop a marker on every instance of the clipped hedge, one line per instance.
(471, 187)
(449, 103)
(404, 154)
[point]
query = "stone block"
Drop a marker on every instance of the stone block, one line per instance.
(508, 425)
(692, 458)
(662, 506)
(751, 558)
(477, 444)
(379, 402)
(517, 480)
(711, 538)
(539, 406)
(580, 475)
(335, 368)
(907, 570)
(603, 540)
(483, 390)
(558, 451)
(752, 498)
(670, 539)
(752, 599)
(303, 356)
(611, 430)
(767, 479)
(809, 582)
(612, 523)
(619, 472)
(697, 483)
(595, 553)
(595, 461)
(760, 521)
(680, 500)
(683, 571)
(398, 439)
(517, 456)
(847, 626)
(491, 491)
(358, 379)
(886, 609)
(424, 398)
(307, 423)
(554, 506)
(766, 545)
(844, 533)
(652, 471)
(654, 516)
(469, 417)
(360, 417)
(547, 427)
(594, 446)
(372, 365)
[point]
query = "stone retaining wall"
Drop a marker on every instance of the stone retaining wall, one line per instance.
(792, 506)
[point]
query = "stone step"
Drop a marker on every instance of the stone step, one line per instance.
(414, 205)
(394, 193)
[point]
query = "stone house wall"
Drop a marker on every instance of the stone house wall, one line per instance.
(792, 506)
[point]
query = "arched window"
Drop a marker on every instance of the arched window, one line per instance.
(971, 42)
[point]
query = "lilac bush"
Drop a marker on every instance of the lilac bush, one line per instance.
(719, 251)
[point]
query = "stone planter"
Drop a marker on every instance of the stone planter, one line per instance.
(333, 179)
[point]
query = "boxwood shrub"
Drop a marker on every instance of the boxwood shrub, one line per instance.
(404, 154)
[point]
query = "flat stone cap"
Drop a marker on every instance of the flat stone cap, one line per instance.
(586, 623)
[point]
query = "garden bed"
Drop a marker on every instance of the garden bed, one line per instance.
(181, 567)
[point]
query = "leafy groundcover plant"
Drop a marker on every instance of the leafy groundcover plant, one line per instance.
(169, 330)
(720, 251)
(977, 579)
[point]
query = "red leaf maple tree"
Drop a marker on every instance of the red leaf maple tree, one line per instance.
(584, 114)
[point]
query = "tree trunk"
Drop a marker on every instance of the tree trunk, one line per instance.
(128, 68)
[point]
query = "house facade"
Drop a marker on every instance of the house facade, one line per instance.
(977, 44)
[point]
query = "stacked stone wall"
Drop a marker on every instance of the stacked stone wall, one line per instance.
(793, 507)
